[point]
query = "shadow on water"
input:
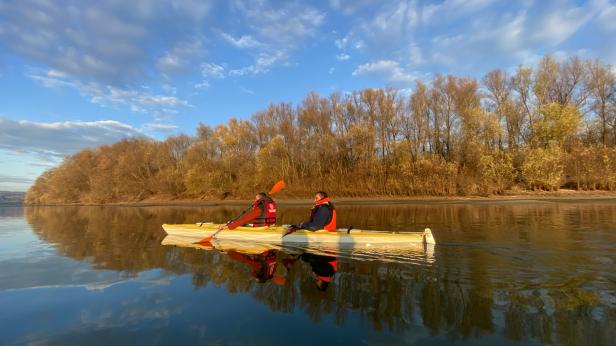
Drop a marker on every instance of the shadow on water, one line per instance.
(541, 272)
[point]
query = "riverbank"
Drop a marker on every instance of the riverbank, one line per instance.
(509, 196)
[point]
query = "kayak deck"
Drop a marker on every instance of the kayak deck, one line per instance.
(273, 235)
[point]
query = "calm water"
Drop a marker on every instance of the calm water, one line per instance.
(502, 273)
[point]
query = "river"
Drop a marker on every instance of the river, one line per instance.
(502, 272)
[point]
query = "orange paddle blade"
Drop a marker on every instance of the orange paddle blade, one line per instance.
(277, 187)
(205, 241)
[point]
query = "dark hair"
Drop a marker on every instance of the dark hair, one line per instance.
(262, 195)
(323, 194)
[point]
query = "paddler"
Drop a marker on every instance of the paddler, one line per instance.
(322, 215)
(261, 213)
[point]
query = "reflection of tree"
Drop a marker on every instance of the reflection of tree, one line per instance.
(525, 271)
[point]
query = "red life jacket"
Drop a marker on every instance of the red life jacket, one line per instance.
(268, 212)
(331, 225)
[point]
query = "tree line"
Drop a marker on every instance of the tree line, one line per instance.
(538, 128)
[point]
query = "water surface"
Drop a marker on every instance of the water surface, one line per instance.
(502, 273)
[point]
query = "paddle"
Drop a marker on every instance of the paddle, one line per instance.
(279, 185)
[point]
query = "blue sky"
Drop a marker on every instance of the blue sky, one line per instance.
(74, 76)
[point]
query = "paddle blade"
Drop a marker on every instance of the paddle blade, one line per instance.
(205, 241)
(279, 280)
(280, 184)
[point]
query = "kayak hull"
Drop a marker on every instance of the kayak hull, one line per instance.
(194, 233)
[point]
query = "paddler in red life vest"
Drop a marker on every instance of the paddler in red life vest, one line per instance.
(262, 213)
(322, 216)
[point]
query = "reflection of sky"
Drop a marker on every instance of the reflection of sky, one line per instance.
(137, 312)
(26, 262)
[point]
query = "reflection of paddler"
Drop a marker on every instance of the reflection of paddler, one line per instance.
(263, 265)
(323, 267)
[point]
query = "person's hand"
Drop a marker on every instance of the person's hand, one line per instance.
(223, 227)
(290, 229)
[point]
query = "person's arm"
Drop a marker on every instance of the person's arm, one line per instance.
(244, 219)
(319, 220)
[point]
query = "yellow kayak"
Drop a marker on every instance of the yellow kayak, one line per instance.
(193, 233)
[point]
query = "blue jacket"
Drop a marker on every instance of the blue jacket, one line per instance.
(321, 215)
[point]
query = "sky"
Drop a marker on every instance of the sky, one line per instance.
(75, 76)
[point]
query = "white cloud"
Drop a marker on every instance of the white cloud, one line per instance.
(562, 22)
(202, 85)
(389, 70)
(245, 41)
(263, 64)
(106, 95)
(279, 28)
(459, 33)
(285, 23)
(212, 70)
(140, 101)
(58, 139)
(607, 18)
(341, 43)
(159, 128)
(180, 58)
(450, 10)
(349, 7)
(343, 56)
(109, 42)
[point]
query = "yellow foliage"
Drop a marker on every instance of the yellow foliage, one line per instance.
(558, 124)
(543, 168)
(497, 170)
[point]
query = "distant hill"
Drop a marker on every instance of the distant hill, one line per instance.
(11, 198)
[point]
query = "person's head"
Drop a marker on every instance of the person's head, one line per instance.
(320, 195)
(260, 195)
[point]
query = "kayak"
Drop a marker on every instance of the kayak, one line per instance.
(194, 233)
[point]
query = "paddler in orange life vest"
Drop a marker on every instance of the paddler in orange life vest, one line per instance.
(322, 216)
(262, 213)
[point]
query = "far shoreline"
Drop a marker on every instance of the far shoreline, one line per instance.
(509, 196)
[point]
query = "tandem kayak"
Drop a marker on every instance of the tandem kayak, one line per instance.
(194, 233)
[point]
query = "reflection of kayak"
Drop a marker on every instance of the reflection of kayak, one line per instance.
(220, 245)
(191, 233)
